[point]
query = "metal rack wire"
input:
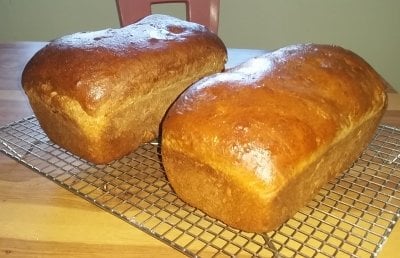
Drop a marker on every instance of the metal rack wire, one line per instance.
(351, 216)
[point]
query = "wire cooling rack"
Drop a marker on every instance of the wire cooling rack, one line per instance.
(351, 216)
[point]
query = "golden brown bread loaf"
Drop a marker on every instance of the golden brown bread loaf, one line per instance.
(101, 94)
(252, 145)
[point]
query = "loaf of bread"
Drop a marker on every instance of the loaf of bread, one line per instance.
(252, 145)
(101, 94)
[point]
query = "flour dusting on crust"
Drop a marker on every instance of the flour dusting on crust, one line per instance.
(256, 159)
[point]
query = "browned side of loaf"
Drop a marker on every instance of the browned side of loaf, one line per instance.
(254, 144)
(101, 94)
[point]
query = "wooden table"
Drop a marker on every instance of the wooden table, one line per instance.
(39, 218)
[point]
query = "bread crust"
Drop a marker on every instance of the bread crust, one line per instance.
(252, 145)
(101, 94)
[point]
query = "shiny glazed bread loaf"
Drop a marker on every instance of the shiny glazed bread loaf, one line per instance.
(101, 94)
(252, 145)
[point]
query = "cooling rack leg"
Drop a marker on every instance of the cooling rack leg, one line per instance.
(270, 245)
(9, 148)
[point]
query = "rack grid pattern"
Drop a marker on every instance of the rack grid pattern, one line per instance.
(351, 216)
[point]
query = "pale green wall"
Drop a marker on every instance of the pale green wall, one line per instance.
(371, 28)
